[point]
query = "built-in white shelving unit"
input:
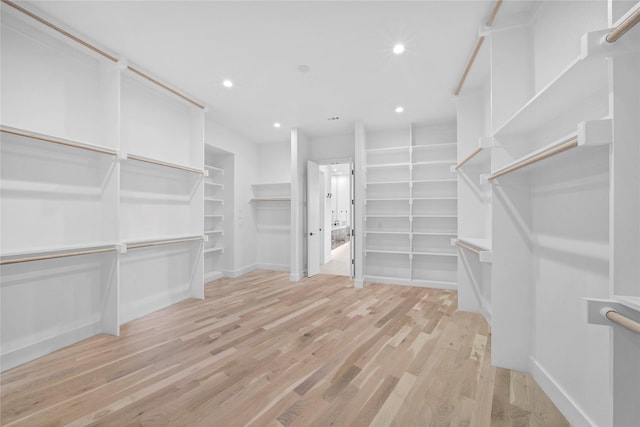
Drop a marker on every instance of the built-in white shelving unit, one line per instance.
(102, 193)
(547, 143)
(411, 208)
(217, 184)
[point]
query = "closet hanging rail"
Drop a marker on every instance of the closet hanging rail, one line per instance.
(621, 319)
(60, 255)
(60, 30)
(567, 145)
(56, 141)
(467, 247)
(162, 242)
(160, 163)
(175, 92)
(469, 157)
(99, 51)
(625, 26)
(489, 23)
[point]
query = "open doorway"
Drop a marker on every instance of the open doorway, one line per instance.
(335, 217)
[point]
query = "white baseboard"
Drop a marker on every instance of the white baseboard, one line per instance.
(572, 412)
(409, 282)
(294, 277)
(275, 267)
(17, 357)
(232, 274)
(358, 283)
(136, 309)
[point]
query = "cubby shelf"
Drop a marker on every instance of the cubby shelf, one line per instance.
(386, 182)
(388, 165)
(434, 146)
(212, 199)
(214, 184)
(212, 250)
(386, 251)
(434, 162)
(214, 169)
(213, 231)
(435, 253)
(387, 149)
(269, 199)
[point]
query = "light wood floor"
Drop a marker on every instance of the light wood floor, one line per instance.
(262, 351)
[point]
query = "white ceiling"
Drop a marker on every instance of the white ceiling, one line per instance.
(259, 45)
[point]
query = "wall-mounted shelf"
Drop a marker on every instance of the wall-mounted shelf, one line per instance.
(212, 250)
(214, 184)
(270, 199)
(214, 169)
(213, 231)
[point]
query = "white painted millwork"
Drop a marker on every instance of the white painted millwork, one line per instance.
(557, 222)
(313, 218)
(105, 158)
(410, 207)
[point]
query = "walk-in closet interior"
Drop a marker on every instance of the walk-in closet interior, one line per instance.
(423, 160)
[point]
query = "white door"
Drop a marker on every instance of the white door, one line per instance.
(313, 218)
(352, 208)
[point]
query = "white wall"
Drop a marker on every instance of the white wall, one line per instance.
(330, 147)
(274, 162)
(272, 219)
(556, 38)
(245, 174)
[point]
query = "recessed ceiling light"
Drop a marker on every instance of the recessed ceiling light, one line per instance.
(399, 109)
(304, 68)
(398, 49)
(227, 83)
(276, 125)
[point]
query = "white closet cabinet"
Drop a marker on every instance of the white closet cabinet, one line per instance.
(552, 220)
(99, 171)
(410, 207)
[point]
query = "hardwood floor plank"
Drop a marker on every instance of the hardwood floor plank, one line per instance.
(263, 351)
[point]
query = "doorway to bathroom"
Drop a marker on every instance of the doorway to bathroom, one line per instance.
(336, 181)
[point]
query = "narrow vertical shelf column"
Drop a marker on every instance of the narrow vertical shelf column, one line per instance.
(218, 210)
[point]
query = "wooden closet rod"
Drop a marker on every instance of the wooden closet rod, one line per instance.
(489, 23)
(99, 51)
(469, 157)
(56, 141)
(158, 162)
(162, 242)
(467, 247)
(60, 30)
(154, 81)
(572, 143)
(61, 255)
(625, 26)
(622, 320)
